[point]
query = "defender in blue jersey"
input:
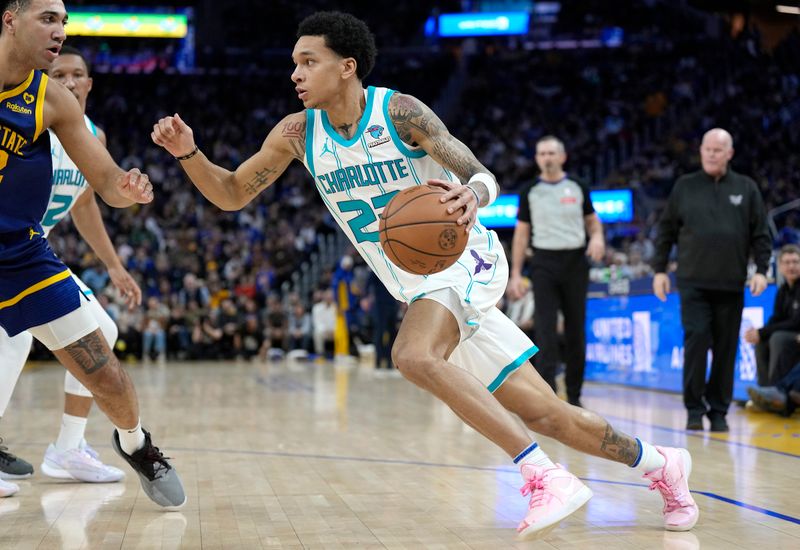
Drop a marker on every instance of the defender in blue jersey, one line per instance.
(362, 145)
(70, 457)
(37, 292)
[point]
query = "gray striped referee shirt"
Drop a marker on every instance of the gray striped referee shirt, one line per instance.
(555, 211)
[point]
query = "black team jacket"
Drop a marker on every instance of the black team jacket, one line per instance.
(717, 225)
(785, 313)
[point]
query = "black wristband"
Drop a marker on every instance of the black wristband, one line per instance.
(190, 155)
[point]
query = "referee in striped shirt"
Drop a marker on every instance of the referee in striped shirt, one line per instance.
(556, 213)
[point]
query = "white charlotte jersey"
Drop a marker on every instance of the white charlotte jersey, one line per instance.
(357, 177)
(68, 182)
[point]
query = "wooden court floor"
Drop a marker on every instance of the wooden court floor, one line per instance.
(322, 456)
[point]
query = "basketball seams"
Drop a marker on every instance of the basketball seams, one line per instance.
(390, 214)
(423, 252)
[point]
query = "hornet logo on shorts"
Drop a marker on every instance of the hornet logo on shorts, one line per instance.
(481, 265)
(376, 131)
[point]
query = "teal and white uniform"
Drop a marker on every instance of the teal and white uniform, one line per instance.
(358, 177)
(68, 182)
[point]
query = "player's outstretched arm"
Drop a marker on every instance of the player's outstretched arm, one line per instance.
(87, 219)
(417, 124)
(116, 187)
(232, 190)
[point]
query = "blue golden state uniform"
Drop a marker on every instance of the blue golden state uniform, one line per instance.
(35, 286)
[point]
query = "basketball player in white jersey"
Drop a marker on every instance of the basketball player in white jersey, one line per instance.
(70, 457)
(360, 147)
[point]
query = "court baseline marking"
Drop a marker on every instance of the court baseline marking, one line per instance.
(721, 498)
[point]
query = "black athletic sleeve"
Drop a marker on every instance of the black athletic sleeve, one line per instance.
(524, 212)
(588, 207)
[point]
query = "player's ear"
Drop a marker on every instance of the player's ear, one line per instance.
(9, 22)
(349, 67)
(91, 81)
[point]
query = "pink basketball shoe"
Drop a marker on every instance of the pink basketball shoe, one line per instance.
(672, 481)
(555, 494)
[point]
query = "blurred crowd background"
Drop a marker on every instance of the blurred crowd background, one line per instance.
(268, 279)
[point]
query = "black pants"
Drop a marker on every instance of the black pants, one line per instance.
(711, 320)
(384, 333)
(560, 281)
(790, 382)
(776, 356)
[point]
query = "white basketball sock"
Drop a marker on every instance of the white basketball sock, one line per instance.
(649, 458)
(131, 440)
(72, 430)
(534, 454)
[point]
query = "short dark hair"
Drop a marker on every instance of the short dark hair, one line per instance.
(346, 35)
(70, 50)
(552, 138)
(12, 5)
(788, 249)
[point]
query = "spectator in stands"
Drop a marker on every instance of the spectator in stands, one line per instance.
(253, 342)
(154, 336)
(323, 320)
(206, 335)
(347, 306)
(717, 218)
(776, 341)
(782, 398)
(299, 328)
(229, 322)
(384, 310)
(277, 323)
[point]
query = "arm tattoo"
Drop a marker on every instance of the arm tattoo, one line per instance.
(413, 120)
(619, 447)
(262, 178)
(89, 353)
(295, 134)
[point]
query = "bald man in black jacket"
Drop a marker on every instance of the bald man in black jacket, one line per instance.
(717, 218)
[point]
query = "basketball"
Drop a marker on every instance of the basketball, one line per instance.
(418, 234)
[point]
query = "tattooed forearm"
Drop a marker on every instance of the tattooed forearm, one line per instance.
(619, 447)
(455, 156)
(89, 353)
(417, 124)
(295, 133)
(261, 179)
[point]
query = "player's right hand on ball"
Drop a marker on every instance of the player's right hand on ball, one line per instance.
(174, 135)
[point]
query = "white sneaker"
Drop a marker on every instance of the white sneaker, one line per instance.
(7, 488)
(84, 446)
(78, 464)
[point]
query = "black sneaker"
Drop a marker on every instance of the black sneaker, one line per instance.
(718, 423)
(11, 466)
(694, 422)
(159, 479)
(575, 402)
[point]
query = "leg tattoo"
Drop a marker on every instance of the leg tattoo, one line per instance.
(619, 447)
(89, 353)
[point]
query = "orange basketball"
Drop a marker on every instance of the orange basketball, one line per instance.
(418, 234)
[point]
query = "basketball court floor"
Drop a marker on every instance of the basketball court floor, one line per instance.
(295, 455)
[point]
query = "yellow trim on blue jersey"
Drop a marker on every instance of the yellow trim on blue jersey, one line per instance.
(40, 107)
(18, 89)
(66, 274)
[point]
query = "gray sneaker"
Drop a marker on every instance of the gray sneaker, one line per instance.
(11, 466)
(159, 479)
